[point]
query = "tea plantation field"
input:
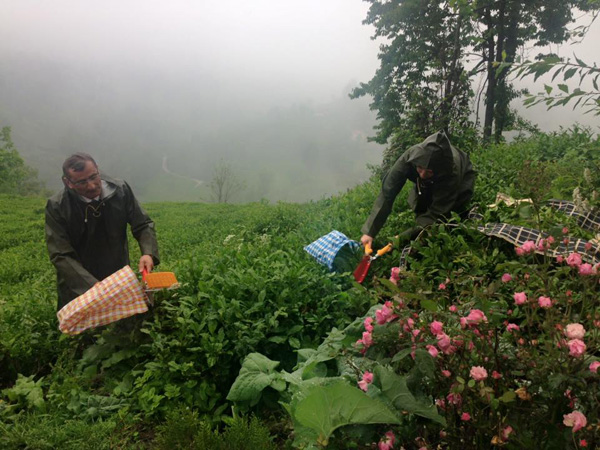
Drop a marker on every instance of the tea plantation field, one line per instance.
(261, 347)
(247, 285)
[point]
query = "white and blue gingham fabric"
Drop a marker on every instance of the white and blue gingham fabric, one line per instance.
(327, 247)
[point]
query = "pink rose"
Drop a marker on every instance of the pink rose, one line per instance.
(528, 247)
(576, 420)
(550, 240)
(478, 373)
(576, 347)
(519, 251)
(586, 269)
(432, 350)
(368, 323)
(454, 399)
(575, 331)
(442, 286)
(365, 342)
(476, 316)
(443, 341)
(385, 314)
(594, 366)
(541, 245)
(387, 441)
(565, 230)
(436, 327)
(512, 326)
(587, 246)
(545, 302)
(367, 379)
(453, 308)
(395, 273)
(506, 433)
(447, 373)
(574, 260)
(496, 375)
(465, 417)
(520, 298)
(560, 259)
(506, 277)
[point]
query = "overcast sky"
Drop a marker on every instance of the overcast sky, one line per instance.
(306, 49)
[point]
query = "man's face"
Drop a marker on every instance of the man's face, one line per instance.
(424, 174)
(87, 182)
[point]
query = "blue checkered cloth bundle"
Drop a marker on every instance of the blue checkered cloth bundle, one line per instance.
(325, 249)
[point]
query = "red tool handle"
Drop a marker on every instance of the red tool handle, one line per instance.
(144, 273)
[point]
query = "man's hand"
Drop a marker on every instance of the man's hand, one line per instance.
(147, 263)
(366, 239)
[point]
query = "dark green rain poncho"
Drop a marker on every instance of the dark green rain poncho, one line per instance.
(450, 189)
(88, 241)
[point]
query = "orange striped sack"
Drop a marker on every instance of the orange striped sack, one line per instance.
(116, 297)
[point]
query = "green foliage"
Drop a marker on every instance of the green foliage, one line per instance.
(26, 394)
(183, 429)
(319, 410)
(44, 432)
(588, 99)
(421, 85)
(257, 373)
(15, 176)
(563, 154)
(248, 288)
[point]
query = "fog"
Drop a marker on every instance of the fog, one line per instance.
(161, 91)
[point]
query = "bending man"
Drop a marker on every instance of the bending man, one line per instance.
(86, 228)
(444, 179)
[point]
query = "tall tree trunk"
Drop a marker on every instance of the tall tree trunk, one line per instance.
(491, 79)
(453, 78)
(505, 93)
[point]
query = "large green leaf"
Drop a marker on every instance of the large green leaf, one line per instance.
(256, 374)
(393, 387)
(320, 410)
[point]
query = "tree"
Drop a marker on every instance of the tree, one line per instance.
(421, 85)
(423, 82)
(15, 176)
(224, 184)
(504, 27)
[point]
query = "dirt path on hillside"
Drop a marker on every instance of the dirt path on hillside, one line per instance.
(166, 170)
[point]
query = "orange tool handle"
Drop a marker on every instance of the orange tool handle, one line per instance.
(368, 249)
(384, 250)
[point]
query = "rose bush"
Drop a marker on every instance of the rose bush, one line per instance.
(532, 330)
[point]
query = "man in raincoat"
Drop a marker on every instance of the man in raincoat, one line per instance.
(86, 228)
(444, 180)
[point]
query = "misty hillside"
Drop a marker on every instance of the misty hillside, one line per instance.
(298, 152)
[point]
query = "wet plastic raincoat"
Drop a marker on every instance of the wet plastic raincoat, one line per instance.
(88, 241)
(450, 189)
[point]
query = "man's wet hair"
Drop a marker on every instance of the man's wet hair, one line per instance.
(76, 163)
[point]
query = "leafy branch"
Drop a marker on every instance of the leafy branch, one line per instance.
(566, 69)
